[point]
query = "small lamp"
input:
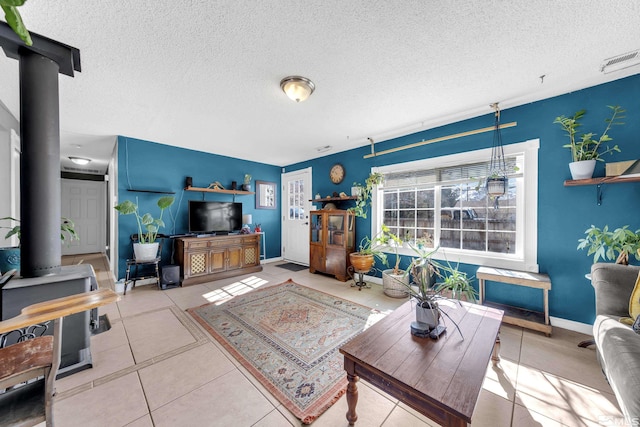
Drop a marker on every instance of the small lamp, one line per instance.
(297, 88)
(247, 220)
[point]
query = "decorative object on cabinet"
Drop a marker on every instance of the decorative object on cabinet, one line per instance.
(337, 173)
(265, 195)
(203, 259)
(363, 199)
(216, 186)
(588, 148)
(247, 220)
(332, 234)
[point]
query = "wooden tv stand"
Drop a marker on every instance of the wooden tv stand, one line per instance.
(203, 259)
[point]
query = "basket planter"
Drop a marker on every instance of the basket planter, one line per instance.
(395, 285)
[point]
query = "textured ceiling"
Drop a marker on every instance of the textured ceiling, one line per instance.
(205, 75)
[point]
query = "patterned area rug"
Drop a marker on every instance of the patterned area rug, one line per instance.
(288, 337)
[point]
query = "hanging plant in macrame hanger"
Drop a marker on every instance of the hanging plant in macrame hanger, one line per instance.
(497, 181)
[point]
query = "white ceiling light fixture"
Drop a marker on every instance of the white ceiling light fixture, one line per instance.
(79, 160)
(620, 62)
(297, 88)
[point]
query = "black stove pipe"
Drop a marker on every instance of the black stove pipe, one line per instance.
(41, 250)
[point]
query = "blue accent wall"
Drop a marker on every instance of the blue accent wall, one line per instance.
(564, 213)
(153, 166)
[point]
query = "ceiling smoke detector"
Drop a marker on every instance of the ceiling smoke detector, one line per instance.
(620, 62)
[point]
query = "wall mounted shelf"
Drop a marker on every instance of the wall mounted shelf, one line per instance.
(598, 182)
(333, 199)
(212, 190)
(137, 190)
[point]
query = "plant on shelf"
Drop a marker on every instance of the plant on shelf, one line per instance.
(611, 245)
(588, 148)
(246, 186)
(14, 19)
(364, 194)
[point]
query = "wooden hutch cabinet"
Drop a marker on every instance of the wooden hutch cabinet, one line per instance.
(203, 259)
(331, 242)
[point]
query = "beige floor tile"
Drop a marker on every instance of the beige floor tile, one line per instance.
(152, 334)
(142, 299)
(561, 356)
(523, 417)
(492, 411)
(372, 409)
(111, 311)
(400, 417)
(510, 342)
(114, 337)
(229, 400)
(561, 399)
(104, 363)
(274, 419)
(116, 403)
(191, 296)
(178, 375)
(142, 422)
(501, 378)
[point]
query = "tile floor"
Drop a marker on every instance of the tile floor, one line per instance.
(157, 367)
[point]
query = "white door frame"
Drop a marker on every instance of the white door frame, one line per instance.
(295, 232)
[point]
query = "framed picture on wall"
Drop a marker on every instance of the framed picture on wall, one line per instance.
(265, 195)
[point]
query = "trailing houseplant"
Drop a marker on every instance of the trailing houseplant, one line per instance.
(587, 147)
(146, 247)
(611, 245)
(455, 283)
(364, 194)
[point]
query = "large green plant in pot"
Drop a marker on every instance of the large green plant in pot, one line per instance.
(146, 247)
(611, 245)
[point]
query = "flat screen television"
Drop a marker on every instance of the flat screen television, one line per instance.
(214, 217)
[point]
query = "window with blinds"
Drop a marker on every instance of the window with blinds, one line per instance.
(442, 202)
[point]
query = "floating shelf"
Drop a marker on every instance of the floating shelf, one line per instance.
(601, 180)
(211, 190)
(150, 191)
(598, 182)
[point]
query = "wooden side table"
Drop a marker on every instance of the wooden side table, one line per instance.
(515, 315)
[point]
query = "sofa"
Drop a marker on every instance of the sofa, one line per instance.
(618, 346)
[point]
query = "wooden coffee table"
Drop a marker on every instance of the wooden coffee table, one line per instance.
(440, 378)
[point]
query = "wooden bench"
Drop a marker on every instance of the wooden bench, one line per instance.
(515, 315)
(38, 358)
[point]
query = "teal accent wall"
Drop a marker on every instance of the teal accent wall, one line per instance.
(564, 213)
(153, 166)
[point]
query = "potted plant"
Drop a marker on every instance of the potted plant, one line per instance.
(364, 194)
(146, 248)
(611, 245)
(362, 261)
(394, 280)
(246, 186)
(456, 284)
(587, 150)
(423, 272)
(10, 256)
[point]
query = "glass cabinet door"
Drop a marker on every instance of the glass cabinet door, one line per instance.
(336, 228)
(316, 227)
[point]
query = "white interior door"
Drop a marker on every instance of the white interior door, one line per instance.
(296, 191)
(84, 202)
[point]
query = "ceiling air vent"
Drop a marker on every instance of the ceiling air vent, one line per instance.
(84, 170)
(620, 62)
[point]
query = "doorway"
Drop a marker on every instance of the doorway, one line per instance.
(84, 202)
(296, 204)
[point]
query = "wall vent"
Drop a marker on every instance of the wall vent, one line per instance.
(620, 62)
(84, 170)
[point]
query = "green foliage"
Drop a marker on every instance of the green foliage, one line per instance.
(588, 148)
(364, 196)
(67, 229)
(386, 237)
(456, 282)
(368, 247)
(14, 19)
(611, 245)
(150, 224)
